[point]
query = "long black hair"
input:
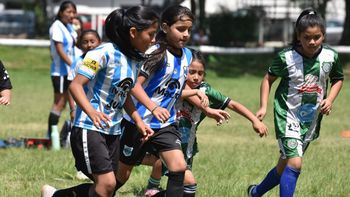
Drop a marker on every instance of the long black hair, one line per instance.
(170, 16)
(307, 18)
(119, 22)
(64, 5)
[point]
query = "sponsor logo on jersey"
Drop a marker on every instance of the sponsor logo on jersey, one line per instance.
(121, 91)
(326, 67)
(310, 85)
(91, 64)
(170, 89)
(307, 112)
(293, 126)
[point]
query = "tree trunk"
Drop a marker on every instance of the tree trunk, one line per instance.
(201, 13)
(345, 39)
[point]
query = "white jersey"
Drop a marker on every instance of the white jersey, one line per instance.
(164, 87)
(66, 35)
(111, 75)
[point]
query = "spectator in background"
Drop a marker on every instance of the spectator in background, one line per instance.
(62, 42)
(78, 27)
(200, 37)
(5, 86)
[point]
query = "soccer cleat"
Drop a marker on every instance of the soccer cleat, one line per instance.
(250, 190)
(151, 192)
(47, 191)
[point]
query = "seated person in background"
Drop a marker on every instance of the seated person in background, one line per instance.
(5, 86)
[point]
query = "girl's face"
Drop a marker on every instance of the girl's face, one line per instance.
(311, 40)
(196, 74)
(141, 40)
(89, 41)
(68, 15)
(178, 34)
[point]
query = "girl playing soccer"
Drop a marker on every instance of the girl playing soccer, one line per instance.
(300, 99)
(189, 117)
(159, 86)
(101, 91)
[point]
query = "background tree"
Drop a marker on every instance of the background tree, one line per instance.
(345, 39)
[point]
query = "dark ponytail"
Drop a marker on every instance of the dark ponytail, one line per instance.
(170, 16)
(307, 18)
(119, 22)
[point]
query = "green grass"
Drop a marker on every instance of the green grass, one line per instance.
(231, 156)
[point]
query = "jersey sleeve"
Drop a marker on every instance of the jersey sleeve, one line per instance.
(216, 99)
(336, 71)
(57, 33)
(5, 82)
(93, 61)
(278, 66)
(143, 71)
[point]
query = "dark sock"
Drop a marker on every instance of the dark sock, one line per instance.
(190, 190)
(153, 183)
(76, 191)
(271, 180)
(53, 120)
(175, 185)
(288, 181)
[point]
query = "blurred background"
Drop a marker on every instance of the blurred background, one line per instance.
(227, 23)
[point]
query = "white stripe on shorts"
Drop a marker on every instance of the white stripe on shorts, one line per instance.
(86, 152)
(61, 84)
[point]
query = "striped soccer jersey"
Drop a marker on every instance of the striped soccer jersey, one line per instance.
(164, 87)
(302, 87)
(67, 36)
(74, 68)
(111, 75)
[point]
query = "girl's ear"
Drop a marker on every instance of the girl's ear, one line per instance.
(164, 27)
(132, 32)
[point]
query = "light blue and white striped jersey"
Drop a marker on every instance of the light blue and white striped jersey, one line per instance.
(164, 87)
(111, 75)
(67, 36)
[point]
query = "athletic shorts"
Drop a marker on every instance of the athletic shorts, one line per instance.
(132, 150)
(94, 152)
(60, 84)
(292, 147)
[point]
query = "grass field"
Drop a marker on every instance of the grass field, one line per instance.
(231, 156)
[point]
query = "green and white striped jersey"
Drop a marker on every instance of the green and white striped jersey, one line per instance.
(302, 87)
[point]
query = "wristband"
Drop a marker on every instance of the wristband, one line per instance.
(154, 109)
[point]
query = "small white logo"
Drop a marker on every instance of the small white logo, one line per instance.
(127, 151)
(178, 142)
(292, 143)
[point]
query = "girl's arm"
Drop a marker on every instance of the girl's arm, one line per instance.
(139, 93)
(188, 92)
(265, 88)
(219, 115)
(77, 91)
(130, 109)
(258, 126)
(61, 53)
(326, 104)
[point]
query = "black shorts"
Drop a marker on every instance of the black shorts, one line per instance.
(94, 152)
(132, 150)
(60, 84)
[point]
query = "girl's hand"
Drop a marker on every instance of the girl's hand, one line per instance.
(99, 119)
(4, 100)
(204, 99)
(161, 113)
(326, 107)
(145, 131)
(260, 114)
(260, 128)
(219, 115)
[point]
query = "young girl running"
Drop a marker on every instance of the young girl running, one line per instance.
(300, 99)
(163, 77)
(189, 117)
(101, 90)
